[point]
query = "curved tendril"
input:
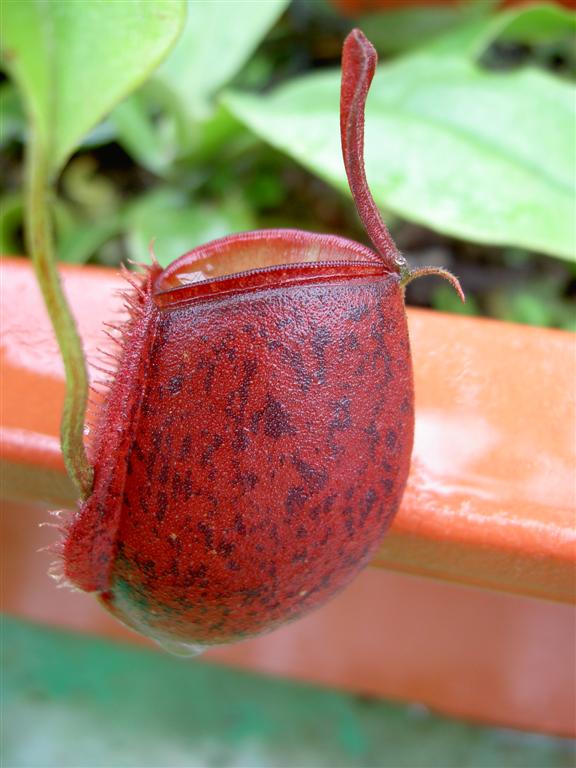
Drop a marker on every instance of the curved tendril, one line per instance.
(359, 59)
(411, 274)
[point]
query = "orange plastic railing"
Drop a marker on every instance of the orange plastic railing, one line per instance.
(490, 503)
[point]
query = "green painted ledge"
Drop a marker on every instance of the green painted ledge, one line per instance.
(71, 700)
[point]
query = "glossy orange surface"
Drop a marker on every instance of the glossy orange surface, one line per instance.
(490, 503)
(470, 653)
(491, 496)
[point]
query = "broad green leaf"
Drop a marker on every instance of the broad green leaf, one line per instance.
(542, 23)
(175, 225)
(534, 24)
(217, 40)
(173, 116)
(478, 155)
(74, 61)
(394, 31)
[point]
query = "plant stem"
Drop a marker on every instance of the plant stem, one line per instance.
(359, 59)
(407, 275)
(40, 241)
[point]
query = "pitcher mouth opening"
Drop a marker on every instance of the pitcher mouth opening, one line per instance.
(262, 258)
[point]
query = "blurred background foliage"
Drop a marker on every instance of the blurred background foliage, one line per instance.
(471, 149)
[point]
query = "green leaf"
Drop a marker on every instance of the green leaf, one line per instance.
(12, 120)
(174, 116)
(11, 217)
(175, 225)
(74, 61)
(542, 23)
(394, 31)
(136, 132)
(81, 242)
(535, 24)
(217, 40)
(484, 156)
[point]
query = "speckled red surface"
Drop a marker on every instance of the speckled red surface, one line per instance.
(254, 447)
